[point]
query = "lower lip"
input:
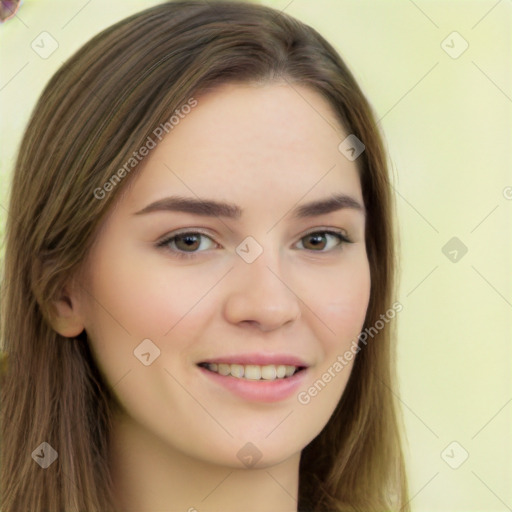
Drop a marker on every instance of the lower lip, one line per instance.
(259, 390)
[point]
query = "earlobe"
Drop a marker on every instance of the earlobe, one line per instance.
(67, 320)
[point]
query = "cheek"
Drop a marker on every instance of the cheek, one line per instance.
(147, 298)
(341, 300)
(129, 301)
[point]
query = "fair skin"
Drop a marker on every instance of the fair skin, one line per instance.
(267, 149)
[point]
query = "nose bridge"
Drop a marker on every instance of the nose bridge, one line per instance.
(259, 292)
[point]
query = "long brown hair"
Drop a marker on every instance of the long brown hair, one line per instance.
(99, 108)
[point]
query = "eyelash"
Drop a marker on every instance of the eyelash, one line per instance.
(188, 255)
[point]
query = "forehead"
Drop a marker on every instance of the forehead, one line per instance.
(250, 142)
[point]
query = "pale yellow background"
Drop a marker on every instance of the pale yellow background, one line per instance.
(448, 125)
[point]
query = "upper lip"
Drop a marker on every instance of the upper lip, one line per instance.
(259, 359)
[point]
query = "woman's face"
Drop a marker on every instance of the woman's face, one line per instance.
(260, 286)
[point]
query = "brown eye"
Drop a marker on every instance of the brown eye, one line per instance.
(318, 240)
(315, 241)
(187, 241)
(185, 244)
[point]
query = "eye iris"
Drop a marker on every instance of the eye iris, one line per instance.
(317, 237)
(189, 239)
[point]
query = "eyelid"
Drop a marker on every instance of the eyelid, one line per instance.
(184, 231)
(205, 233)
(326, 230)
(167, 238)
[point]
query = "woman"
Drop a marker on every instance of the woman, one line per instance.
(253, 372)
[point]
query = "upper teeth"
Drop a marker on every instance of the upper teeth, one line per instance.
(253, 371)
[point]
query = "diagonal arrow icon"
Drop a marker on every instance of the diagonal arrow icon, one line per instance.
(454, 249)
(45, 455)
(454, 45)
(249, 455)
(351, 147)
(454, 455)
(249, 252)
(146, 352)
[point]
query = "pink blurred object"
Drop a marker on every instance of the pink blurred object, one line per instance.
(8, 9)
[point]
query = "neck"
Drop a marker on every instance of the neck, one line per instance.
(149, 474)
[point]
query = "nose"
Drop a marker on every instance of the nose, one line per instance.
(260, 296)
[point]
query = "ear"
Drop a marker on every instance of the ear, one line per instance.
(67, 319)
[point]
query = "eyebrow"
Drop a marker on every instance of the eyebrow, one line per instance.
(213, 208)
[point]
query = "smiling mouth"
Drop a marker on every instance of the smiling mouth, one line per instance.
(253, 371)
